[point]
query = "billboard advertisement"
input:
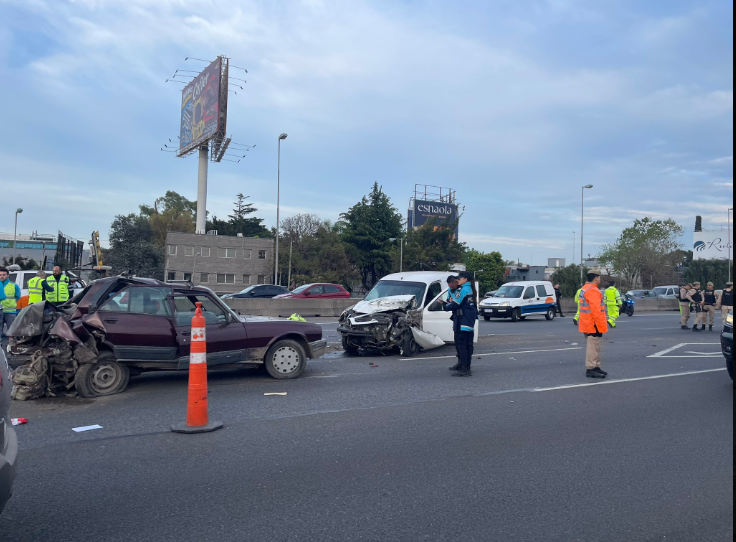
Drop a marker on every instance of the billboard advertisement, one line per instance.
(712, 245)
(200, 108)
(424, 211)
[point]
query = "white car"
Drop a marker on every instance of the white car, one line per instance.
(404, 311)
(518, 300)
(667, 292)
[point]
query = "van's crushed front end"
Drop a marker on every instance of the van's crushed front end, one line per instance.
(385, 325)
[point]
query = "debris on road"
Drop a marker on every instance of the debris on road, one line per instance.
(19, 421)
(87, 428)
(275, 394)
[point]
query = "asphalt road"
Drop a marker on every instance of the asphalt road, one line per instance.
(526, 450)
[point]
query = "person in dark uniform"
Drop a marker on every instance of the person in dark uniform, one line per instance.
(465, 308)
(454, 290)
(695, 296)
(558, 297)
(710, 300)
(725, 301)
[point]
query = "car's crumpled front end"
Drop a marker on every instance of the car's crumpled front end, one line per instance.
(385, 325)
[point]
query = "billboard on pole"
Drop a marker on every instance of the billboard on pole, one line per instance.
(424, 211)
(201, 103)
(712, 245)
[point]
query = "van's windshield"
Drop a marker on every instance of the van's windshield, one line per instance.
(391, 288)
(510, 292)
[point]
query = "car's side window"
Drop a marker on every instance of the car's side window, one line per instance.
(434, 290)
(541, 291)
(150, 301)
(186, 305)
(333, 290)
(530, 293)
(317, 290)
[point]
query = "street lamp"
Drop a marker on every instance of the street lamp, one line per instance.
(15, 235)
(276, 279)
(582, 233)
(401, 261)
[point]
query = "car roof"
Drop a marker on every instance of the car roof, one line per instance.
(427, 277)
(529, 283)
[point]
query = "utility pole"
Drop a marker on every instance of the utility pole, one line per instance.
(204, 162)
(276, 278)
(15, 235)
(291, 254)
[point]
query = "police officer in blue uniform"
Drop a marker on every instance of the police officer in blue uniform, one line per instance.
(464, 306)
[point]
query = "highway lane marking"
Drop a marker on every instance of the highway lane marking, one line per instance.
(664, 353)
(610, 382)
(495, 354)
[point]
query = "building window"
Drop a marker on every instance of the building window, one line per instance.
(171, 276)
(247, 254)
(172, 250)
(189, 251)
(205, 252)
(261, 279)
(262, 254)
(246, 280)
(225, 279)
(204, 278)
(226, 253)
(188, 277)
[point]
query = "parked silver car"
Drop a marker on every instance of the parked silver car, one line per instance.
(667, 292)
(8, 438)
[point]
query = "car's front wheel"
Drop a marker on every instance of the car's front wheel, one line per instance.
(487, 318)
(551, 314)
(516, 315)
(349, 348)
(101, 379)
(286, 360)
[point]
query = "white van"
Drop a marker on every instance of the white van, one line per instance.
(402, 311)
(667, 292)
(518, 300)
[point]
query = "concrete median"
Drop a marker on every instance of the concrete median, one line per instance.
(284, 308)
(642, 305)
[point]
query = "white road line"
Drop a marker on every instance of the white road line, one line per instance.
(664, 353)
(608, 383)
(495, 354)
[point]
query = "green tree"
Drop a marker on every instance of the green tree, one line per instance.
(367, 229)
(240, 222)
(171, 213)
(25, 264)
(489, 269)
(704, 271)
(430, 248)
(646, 253)
(133, 248)
(569, 279)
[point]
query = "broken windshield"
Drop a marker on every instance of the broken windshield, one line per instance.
(391, 288)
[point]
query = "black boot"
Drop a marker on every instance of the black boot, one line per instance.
(456, 367)
(702, 328)
(594, 374)
(464, 371)
(711, 328)
(685, 328)
(696, 329)
(599, 370)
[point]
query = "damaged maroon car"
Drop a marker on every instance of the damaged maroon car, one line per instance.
(119, 327)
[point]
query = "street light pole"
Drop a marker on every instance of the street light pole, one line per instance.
(276, 279)
(582, 234)
(574, 243)
(15, 235)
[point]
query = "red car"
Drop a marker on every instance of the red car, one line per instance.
(317, 291)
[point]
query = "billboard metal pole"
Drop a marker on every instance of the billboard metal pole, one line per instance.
(204, 160)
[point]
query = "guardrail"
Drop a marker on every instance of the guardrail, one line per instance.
(332, 308)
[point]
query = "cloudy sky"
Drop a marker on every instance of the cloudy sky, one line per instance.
(514, 103)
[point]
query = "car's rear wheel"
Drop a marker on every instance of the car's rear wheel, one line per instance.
(551, 314)
(286, 360)
(516, 315)
(349, 348)
(487, 318)
(104, 378)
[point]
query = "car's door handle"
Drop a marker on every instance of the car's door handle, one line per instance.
(111, 321)
(186, 333)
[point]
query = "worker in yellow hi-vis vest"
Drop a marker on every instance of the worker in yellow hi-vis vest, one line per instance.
(577, 302)
(614, 301)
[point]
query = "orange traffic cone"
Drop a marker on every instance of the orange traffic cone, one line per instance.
(198, 420)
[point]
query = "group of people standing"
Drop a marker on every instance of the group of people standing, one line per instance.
(55, 289)
(705, 304)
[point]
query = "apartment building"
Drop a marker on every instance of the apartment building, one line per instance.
(224, 264)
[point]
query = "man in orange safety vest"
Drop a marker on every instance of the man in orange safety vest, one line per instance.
(593, 324)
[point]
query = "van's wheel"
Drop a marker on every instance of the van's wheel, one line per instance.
(349, 348)
(516, 315)
(487, 318)
(551, 314)
(409, 347)
(286, 360)
(104, 378)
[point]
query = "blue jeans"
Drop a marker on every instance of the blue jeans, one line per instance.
(6, 319)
